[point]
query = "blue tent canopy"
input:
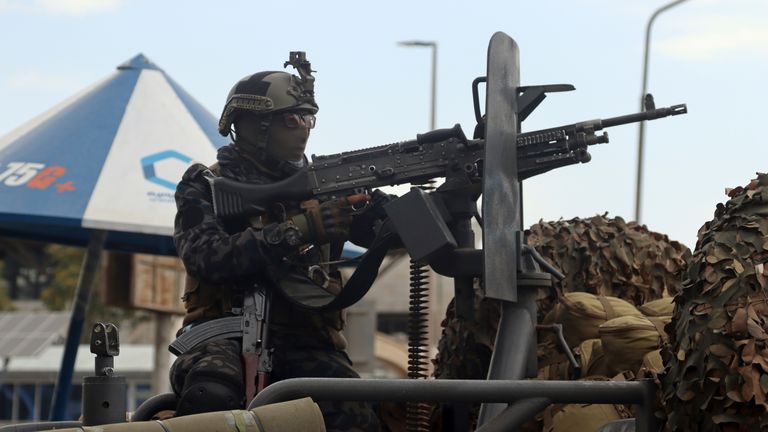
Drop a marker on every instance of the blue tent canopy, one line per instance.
(107, 158)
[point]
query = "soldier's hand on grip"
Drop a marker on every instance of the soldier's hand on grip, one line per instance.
(330, 220)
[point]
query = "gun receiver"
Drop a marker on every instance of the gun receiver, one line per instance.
(431, 155)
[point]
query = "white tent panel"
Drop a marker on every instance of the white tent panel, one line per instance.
(155, 143)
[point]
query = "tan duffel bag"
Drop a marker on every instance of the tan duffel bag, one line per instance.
(582, 313)
(658, 308)
(559, 371)
(626, 340)
(652, 365)
(592, 358)
(585, 417)
(582, 417)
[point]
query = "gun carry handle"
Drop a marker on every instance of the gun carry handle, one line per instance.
(476, 97)
(442, 135)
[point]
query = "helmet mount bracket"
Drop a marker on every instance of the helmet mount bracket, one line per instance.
(298, 59)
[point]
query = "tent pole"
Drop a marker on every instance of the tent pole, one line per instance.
(88, 273)
(163, 333)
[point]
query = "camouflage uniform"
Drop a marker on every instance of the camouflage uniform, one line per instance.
(223, 260)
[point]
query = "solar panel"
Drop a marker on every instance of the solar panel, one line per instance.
(28, 333)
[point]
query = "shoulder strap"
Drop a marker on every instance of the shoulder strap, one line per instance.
(609, 312)
(659, 324)
(215, 169)
(366, 272)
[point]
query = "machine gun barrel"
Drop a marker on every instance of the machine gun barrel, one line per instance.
(589, 127)
(646, 115)
(431, 155)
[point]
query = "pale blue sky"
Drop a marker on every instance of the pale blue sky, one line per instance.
(712, 55)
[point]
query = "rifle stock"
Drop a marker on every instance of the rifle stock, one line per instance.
(232, 198)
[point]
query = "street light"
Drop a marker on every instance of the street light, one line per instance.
(641, 132)
(432, 45)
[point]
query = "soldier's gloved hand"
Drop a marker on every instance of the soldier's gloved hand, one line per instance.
(362, 231)
(330, 220)
(378, 200)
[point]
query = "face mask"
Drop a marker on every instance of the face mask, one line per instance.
(288, 136)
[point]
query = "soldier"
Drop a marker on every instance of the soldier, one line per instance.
(269, 116)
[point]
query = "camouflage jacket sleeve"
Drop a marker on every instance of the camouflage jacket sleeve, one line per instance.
(210, 253)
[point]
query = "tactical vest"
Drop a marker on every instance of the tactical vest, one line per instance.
(290, 324)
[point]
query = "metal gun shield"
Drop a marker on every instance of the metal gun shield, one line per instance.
(501, 189)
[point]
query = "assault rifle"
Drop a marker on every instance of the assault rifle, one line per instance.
(431, 155)
(252, 325)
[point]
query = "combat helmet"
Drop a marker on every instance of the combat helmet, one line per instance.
(271, 92)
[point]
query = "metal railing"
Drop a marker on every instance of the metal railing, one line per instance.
(536, 394)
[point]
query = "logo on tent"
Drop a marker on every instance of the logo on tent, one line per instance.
(149, 165)
(35, 176)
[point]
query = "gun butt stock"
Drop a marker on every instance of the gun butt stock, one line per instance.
(232, 198)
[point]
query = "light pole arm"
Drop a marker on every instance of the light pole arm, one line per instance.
(433, 103)
(433, 95)
(641, 126)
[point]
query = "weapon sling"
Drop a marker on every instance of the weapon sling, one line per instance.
(355, 288)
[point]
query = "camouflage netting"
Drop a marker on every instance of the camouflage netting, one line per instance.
(607, 256)
(464, 351)
(599, 255)
(465, 348)
(717, 365)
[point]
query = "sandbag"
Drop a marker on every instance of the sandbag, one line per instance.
(592, 358)
(583, 417)
(296, 415)
(582, 313)
(292, 416)
(627, 339)
(555, 371)
(652, 365)
(658, 308)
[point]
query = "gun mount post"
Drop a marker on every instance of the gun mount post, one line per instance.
(460, 199)
(514, 355)
(104, 394)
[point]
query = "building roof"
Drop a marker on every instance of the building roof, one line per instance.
(28, 333)
(132, 359)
